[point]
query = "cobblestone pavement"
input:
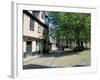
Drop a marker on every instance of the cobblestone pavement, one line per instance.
(59, 59)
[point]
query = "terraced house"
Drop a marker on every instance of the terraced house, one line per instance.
(35, 32)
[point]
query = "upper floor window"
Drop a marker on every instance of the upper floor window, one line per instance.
(40, 29)
(31, 24)
(36, 13)
(42, 15)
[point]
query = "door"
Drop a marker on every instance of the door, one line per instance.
(29, 48)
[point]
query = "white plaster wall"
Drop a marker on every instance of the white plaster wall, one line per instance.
(53, 47)
(27, 31)
(33, 46)
(24, 46)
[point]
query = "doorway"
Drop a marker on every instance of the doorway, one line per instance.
(29, 48)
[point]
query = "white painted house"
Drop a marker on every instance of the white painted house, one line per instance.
(35, 32)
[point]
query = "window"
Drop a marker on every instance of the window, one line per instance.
(40, 29)
(36, 13)
(45, 34)
(31, 24)
(42, 15)
(29, 47)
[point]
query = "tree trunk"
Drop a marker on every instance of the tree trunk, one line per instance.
(78, 43)
(70, 43)
(81, 43)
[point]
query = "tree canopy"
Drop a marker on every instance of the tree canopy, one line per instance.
(71, 26)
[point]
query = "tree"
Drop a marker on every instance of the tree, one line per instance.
(71, 27)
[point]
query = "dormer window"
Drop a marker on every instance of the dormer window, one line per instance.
(42, 15)
(36, 13)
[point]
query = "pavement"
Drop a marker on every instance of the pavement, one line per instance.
(57, 59)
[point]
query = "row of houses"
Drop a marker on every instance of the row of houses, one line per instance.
(36, 38)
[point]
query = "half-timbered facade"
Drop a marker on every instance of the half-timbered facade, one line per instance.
(35, 32)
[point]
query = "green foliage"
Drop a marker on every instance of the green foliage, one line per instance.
(68, 25)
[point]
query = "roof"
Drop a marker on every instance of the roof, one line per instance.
(34, 18)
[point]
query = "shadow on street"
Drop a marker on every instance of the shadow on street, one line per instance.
(59, 53)
(80, 65)
(34, 66)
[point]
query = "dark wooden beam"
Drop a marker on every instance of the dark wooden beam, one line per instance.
(34, 18)
(29, 38)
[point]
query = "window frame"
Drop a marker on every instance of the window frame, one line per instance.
(32, 22)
